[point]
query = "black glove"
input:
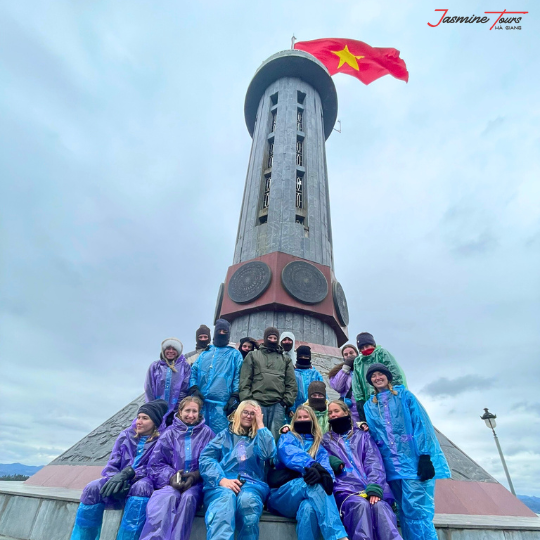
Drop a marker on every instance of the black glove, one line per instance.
(176, 481)
(190, 478)
(194, 391)
(327, 482)
(349, 362)
(360, 410)
(312, 476)
(117, 484)
(232, 404)
(426, 471)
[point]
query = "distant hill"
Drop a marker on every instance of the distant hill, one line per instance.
(10, 469)
(532, 502)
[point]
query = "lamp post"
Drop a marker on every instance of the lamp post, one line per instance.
(489, 419)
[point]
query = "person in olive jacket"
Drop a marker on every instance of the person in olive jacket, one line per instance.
(267, 376)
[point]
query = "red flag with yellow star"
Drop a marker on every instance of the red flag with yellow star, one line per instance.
(356, 58)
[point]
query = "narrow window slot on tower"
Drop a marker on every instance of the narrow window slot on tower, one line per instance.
(263, 219)
(270, 154)
(299, 152)
(299, 190)
(274, 114)
(266, 193)
(300, 120)
(300, 97)
(300, 219)
(273, 98)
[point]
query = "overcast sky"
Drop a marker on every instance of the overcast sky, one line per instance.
(123, 154)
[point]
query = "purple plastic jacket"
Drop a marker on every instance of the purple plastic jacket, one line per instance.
(363, 466)
(163, 383)
(179, 447)
(363, 462)
(341, 382)
(129, 450)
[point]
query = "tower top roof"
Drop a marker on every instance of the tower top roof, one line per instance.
(292, 63)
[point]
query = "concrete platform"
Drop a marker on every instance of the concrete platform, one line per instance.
(45, 513)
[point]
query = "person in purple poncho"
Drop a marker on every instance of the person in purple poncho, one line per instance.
(360, 488)
(168, 377)
(340, 378)
(174, 470)
(124, 479)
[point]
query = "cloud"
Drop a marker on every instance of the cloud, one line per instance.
(444, 387)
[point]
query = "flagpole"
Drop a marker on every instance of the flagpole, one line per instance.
(293, 39)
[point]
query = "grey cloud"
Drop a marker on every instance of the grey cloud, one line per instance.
(493, 125)
(526, 406)
(444, 387)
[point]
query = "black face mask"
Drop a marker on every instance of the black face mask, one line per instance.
(271, 346)
(341, 425)
(286, 346)
(221, 340)
(303, 427)
(303, 363)
(202, 343)
(244, 353)
(317, 403)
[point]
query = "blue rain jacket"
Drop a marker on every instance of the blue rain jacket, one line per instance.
(230, 455)
(303, 379)
(403, 432)
(292, 453)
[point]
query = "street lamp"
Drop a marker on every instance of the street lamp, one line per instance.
(489, 419)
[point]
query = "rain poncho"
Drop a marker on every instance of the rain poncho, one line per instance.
(341, 382)
(170, 513)
(363, 466)
(217, 373)
(403, 432)
(163, 383)
(361, 388)
(303, 379)
(128, 450)
(230, 456)
(315, 511)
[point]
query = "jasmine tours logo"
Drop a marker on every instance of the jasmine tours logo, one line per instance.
(503, 18)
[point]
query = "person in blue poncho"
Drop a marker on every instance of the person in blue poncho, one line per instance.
(305, 374)
(411, 453)
(215, 378)
(233, 470)
(124, 480)
(307, 483)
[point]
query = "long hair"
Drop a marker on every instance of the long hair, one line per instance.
(236, 427)
(315, 429)
(345, 408)
(154, 435)
(190, 399)
(390, 387)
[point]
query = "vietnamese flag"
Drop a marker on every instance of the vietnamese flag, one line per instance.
(356, 58)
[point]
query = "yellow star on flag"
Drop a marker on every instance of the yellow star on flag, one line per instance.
(347, 57)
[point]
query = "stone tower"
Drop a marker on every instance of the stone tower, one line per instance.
(283, 268)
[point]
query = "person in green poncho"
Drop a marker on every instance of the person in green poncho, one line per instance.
(371, 353)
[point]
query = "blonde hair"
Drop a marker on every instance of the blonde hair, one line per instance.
(190, 399)
(236, 427)
(390, 387)
(155, 434)
(315, 429)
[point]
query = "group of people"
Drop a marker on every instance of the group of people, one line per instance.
(241, 428)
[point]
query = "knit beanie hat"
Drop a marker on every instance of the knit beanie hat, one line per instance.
(203, 329)
(303, 357)
(253, 342)
(155, 410)
(365, 338)
(270, 331)
(174, 343)
(378, 367)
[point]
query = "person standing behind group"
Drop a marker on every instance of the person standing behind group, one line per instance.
(215, 377)
(174, 471)
(411, 453)
(267, 376)
(305, 374)
(124, 479)
(361, 491)
(233, 470)
(288, 344)
(202, 340)
(308, 497)
(247, 344)
(168, 377)
(340, 378)
(318, 402)
(371, 353)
